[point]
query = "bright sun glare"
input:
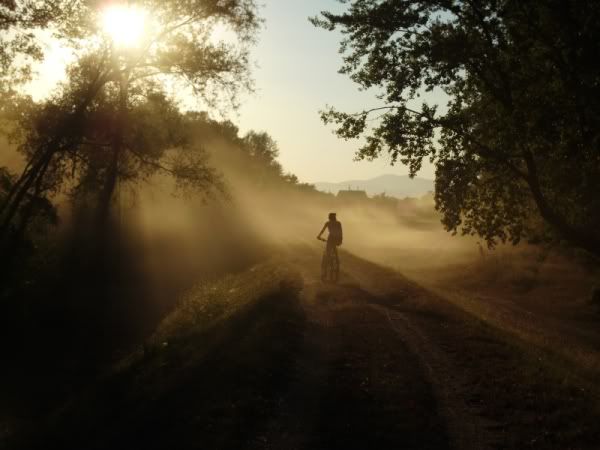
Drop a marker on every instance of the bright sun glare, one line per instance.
(124, 24)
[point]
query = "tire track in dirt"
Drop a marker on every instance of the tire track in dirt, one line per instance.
(356, 385)
(493, 391)
(464, 426)
(467, 428)
(415, 317)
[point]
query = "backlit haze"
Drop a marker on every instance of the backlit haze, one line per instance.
(296, 76)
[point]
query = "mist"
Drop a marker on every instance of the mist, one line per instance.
(184, 238)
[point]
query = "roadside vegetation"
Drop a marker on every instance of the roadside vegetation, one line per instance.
(207, 374)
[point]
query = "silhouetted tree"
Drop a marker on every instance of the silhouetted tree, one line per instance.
(251, 157)
(521, 130)
(19, 45)
(97, 127)
(262, 152)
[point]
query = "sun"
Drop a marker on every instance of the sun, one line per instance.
(124, 24)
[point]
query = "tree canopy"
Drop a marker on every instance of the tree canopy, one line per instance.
(521, 129)
(112, 118)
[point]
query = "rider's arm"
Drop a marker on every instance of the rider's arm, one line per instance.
(322, 231)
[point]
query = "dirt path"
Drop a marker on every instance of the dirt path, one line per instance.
(356, 384)
(369, 375)
(374, 362)
(401, 367)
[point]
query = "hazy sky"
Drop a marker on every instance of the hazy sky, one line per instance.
(297, 76)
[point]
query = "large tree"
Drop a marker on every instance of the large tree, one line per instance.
(521, 130)
(111, 119)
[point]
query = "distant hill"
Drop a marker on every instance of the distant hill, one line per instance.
(393, 185)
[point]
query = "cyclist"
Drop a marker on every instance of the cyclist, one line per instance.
(334, 239)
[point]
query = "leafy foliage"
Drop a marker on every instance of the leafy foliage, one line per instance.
(111, 120)
(250, 158)
(19, 47)
(521, 128)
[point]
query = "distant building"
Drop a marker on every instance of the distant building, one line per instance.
(352, 195)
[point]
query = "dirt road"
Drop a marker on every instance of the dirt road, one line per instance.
(388, 364)
(370, 375)
(374, 362)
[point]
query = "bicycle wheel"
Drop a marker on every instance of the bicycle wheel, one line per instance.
(325, 266)
(334, 266)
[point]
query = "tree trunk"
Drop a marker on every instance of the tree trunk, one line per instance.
(578, 237)
(15, 187)
(28, 210)
(108, 189)
(37, 171)
(33, 172)
(112, 172)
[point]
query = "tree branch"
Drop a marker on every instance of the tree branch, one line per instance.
(487, 151)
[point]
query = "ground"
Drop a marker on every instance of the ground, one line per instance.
(288, 362)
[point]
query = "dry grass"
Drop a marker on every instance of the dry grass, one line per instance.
(211, 301)
(543, 299)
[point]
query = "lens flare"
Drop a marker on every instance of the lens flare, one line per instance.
(124, 24)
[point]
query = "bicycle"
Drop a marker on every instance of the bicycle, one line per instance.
(330, 264)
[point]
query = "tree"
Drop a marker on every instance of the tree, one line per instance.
(261, 151)
(250, 159)
(521, 130)
(95, 128)
(18, 44)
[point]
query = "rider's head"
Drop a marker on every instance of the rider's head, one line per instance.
(332, 216)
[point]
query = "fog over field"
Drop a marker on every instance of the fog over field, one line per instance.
(392, 185)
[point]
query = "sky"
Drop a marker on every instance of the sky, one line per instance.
(296, 75)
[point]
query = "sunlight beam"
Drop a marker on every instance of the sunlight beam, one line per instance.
(124, 24)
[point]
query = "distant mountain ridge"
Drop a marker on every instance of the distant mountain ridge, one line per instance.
(393, 185)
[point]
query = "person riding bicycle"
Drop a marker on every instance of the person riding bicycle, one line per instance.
(334, 227)
(334, 239)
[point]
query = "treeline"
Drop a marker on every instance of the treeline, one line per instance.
(84, 281)
(202, 159)
(251, 157)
